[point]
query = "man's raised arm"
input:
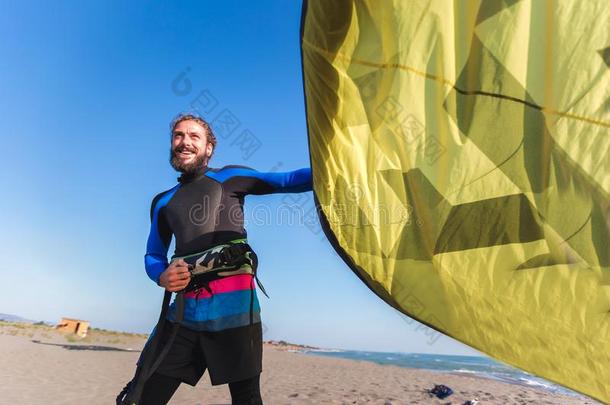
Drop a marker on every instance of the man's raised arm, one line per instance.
(244, 180)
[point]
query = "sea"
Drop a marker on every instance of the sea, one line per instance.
(466, 365)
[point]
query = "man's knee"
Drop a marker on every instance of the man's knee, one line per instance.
(246, 392)
(159, 389)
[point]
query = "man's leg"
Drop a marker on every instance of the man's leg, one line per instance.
(159, 389)
(183, 363)
(246, 392)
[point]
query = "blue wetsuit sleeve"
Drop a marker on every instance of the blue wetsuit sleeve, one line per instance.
(244, 180)
(159, 238)
(296, 181)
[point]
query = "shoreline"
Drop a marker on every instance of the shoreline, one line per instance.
(471, 374)
(543, 385)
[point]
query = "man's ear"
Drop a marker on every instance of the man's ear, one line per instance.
(209, 150)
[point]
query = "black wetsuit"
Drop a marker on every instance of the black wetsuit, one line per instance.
(219, 332)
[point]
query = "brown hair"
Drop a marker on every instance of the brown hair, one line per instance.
(192, 117)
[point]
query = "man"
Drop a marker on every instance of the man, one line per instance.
(221, 329)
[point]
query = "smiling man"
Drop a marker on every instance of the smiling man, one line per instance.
(221, 329)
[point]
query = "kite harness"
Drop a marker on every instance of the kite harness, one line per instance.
(235, 257)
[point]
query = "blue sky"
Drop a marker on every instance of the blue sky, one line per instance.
(87, 92)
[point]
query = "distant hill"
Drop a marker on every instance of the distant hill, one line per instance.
(16, 318)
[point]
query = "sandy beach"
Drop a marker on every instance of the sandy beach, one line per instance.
(41, 366)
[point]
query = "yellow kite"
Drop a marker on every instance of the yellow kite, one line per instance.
(461, 160)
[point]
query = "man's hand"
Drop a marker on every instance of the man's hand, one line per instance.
(176, 277)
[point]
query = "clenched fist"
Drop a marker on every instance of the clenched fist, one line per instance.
(176, 277)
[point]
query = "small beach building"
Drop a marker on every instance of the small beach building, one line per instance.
(76, 326)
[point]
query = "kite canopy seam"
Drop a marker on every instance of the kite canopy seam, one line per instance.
(449, 83)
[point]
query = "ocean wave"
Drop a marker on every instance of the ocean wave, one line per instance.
(461, 370)
(326, 350)
(536, 383)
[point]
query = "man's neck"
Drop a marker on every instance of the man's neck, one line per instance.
(187, 177)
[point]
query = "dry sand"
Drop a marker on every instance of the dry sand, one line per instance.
(41, 366)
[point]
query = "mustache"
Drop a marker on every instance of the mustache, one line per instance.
(183, 149)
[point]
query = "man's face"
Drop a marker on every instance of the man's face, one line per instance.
(190, 149)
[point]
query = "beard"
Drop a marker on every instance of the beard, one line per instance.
(197, 164)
